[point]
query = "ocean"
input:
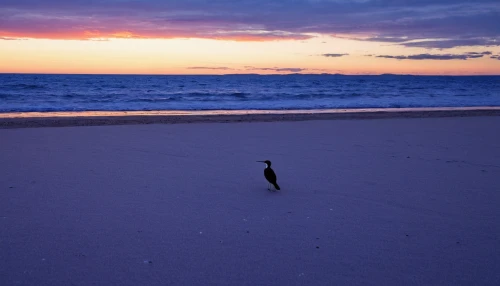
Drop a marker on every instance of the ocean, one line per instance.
(42, 92)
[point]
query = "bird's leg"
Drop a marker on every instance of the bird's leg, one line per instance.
(268, 186)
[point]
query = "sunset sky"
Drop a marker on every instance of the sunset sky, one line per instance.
(250, 36)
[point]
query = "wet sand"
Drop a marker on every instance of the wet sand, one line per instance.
(99, 118)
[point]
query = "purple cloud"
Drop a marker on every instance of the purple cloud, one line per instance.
(250, 68)
(481, 53)
(334, 55)
(442, 57)
(410, 23)
(452, 43)
(275, 69)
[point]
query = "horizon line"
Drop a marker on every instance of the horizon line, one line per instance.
(243, 74)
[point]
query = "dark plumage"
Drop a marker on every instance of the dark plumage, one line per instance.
(270, 175)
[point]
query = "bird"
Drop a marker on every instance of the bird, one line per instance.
(270, 175)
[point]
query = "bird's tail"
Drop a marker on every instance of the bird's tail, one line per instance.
(276, 186)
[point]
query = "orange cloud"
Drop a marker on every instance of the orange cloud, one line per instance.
(69, 34)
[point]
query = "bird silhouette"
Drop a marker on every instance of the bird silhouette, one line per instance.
(270, 175)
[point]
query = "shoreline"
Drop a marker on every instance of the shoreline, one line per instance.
(99, 118)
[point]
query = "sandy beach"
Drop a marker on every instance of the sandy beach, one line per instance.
(392, 201)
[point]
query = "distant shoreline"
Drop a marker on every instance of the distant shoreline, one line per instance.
(257, 74)
(100, 118)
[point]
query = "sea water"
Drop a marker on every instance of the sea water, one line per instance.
(43, 92)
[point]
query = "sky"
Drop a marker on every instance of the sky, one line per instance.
(455, 37)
